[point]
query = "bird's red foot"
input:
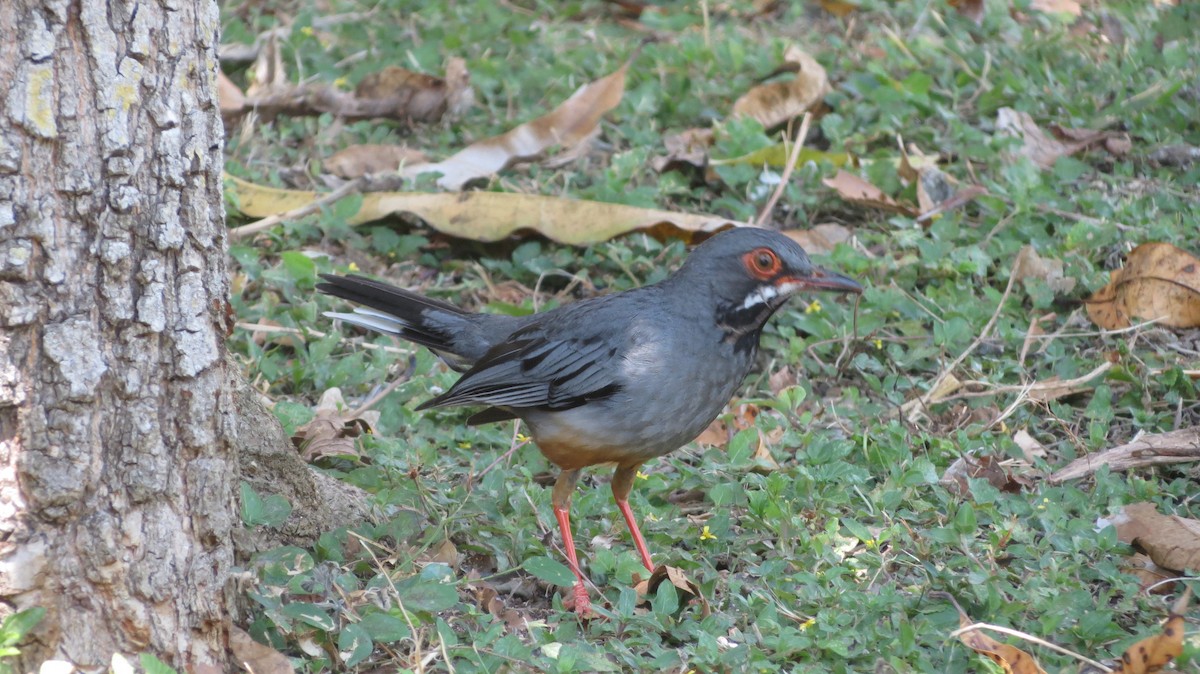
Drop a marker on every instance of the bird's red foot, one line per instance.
(579, 602)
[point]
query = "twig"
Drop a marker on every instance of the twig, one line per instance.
(793, 156)
(374, 400)
(412, 629)
(261, 327)
(516, 444)
(1030, 638)
(352, 187)
(1098, 333)
(928, 397)
(1025, 389)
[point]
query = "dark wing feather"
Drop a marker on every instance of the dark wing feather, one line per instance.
(530, 371)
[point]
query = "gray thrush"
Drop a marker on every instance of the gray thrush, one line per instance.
(620, 378)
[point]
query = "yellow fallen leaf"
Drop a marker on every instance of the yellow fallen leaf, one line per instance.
(492, 216)
(776, 156)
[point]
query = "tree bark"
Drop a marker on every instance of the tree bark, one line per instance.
(117, 411)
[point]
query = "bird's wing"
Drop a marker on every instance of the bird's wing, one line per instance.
(536, 369)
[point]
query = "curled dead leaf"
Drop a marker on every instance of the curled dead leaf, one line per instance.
(1044, 148)
(359, 160)
(394, 93)
(573, 121)
(774, 103)
(688, 590)
(334, 431)
(1006, 475)
(687, 149)
(256, 657)
(1150, 575)
(230, 98)
(419, 97)
(1030, 265)
(719, 431)
(1152, 654)
(489, 600)
(858, 191)
(972, 9)
(1159, 282)
(1012, 659)
(821, 239)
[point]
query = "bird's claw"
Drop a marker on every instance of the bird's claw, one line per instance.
(579, 602)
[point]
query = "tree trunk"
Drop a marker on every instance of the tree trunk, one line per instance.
(117, 413)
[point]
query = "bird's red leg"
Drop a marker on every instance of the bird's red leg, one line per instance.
(561, 499)
(622, 484)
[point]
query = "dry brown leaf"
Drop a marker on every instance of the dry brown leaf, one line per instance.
(1030, 265)
(764, 463)
(1004, 475)
(268, 73)
(781, 379)
(1044, 148)
(839, 8)
(686, 588)
(1032, 449)
(571, 122)
(1159, 282)
(1071, 7)
(493, 216)
(442, 553)
(1151, 449)
(255, 657)
(858, 191)
(774, 103)
(719, 432)
(1012, 659)
(1150, 575)
(1173, 542)
(489, 600)
(1151, 654)
(569, 155)
(359, 160)
(821, 239)
(972, 9)
(687, 149)
(229, 96)
(394, 93)
(419, 97)
(335, 429)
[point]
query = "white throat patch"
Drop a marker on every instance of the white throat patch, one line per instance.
(764, 294)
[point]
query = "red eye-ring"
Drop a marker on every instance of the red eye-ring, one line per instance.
(762, 263)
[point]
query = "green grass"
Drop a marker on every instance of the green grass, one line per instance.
(827, 563)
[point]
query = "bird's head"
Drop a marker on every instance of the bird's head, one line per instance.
(752, 272)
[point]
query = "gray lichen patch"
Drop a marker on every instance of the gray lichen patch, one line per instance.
(73, 345)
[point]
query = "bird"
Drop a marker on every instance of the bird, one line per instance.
(616, 379)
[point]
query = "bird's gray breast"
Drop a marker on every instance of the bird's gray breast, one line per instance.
(673, 381)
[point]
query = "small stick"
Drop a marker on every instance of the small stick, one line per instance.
(352, 187)
(793, 156)
(261, 327)
(1030, 638)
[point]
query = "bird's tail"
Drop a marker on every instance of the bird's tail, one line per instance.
(402, 313)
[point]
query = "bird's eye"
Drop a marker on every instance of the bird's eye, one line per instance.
(762, 263)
